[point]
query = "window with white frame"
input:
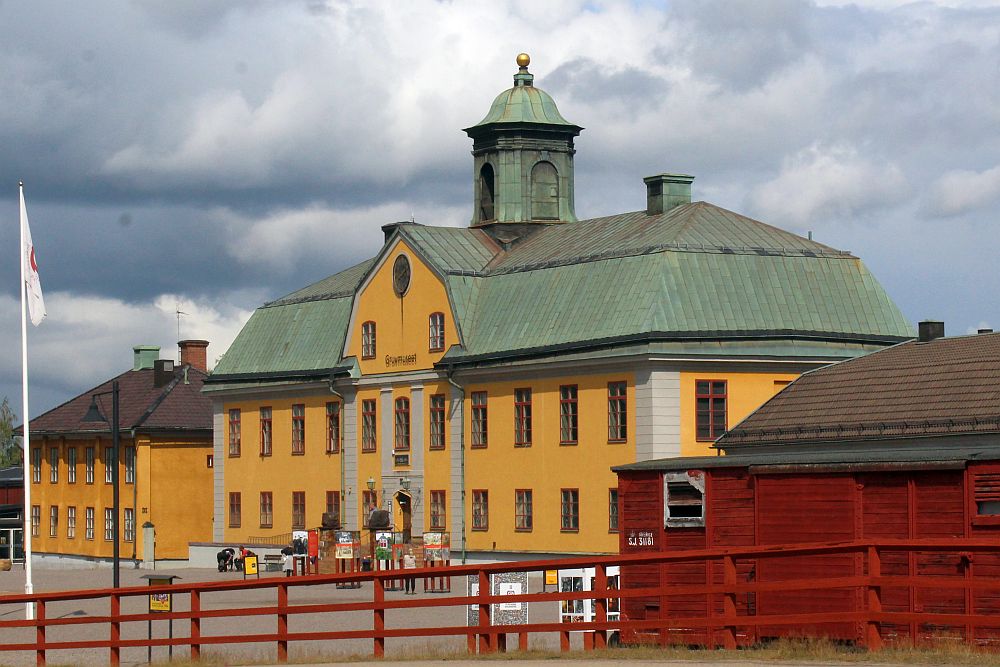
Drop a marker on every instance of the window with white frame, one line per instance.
(684, 499)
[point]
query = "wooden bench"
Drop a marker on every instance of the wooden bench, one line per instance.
(272, 562)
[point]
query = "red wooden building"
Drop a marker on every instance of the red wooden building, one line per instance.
(901, 444)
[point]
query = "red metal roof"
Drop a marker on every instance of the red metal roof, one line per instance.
(177, 406)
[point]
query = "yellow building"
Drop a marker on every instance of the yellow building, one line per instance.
(165, 464)
(483, 380)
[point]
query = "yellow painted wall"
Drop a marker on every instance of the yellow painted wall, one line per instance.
(501, 467)
(315, 472)
(177, 470)
(746, 393)
(402, 324)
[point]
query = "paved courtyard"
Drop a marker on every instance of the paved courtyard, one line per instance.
(45, 579)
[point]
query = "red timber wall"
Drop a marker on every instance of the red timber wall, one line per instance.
(802, 507)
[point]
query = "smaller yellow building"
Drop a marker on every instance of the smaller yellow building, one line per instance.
(165, 464)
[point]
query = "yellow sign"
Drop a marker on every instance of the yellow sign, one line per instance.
(250, 565)
(551, 577)
(159, 602)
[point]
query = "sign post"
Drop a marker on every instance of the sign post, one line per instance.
(160, 603)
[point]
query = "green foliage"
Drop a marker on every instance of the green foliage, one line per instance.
(10, 446)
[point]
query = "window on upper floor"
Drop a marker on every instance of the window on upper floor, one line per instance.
(36, 465)
(332, 427)
(234, 432)
(436, 325)
(522, 417)
(369, 433)
(402, 424)
(71, 465)
(479, 420)
(439, 513)
(437, 421)
(53, 465)
(110, 461)
(617, 412)
(710, 409)
(299, 428)
(368, 340)
(266, 431)
(130, 465)
(90, 465)
(569, 416)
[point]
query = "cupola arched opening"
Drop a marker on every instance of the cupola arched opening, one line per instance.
(487, 192)
(544, 192)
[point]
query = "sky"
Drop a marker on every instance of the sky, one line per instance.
(208, 156)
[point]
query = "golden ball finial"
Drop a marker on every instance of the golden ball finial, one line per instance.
(523, 59)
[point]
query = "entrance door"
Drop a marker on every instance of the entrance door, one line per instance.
(405, 505)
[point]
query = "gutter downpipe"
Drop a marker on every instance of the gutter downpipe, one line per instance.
(343, 473)
(461, 451)
(135, 495)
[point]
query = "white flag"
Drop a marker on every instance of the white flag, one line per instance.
(32, 285)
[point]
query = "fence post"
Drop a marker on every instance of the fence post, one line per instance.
(601, 604)
(283, 622)
(378, 621)
(873, 634)
(116, 628)
(485, 638)
(40, 633)
(729, 603)
(195, 625)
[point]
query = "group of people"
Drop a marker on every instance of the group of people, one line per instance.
(230, 559)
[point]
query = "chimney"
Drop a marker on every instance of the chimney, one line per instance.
(928, 330)
(143, 356)
(667, 191)
(194, 352)
(163, 372)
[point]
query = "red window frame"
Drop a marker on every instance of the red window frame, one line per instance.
(234, 433)
(298, 429)
(480, 509)
(437, 425)
(569, 415)
(298, 509)
(333, 503)
(438, 510)
(235, 509)
(569, 510)
(368, 340)
(435, 325)
(369, 425)
(711, 399)
(333, 427)
(523, 510)
(617, 411)
(401, 424)
(266, 431)
(266, 509)
(480, 420)
(522, 417)
(614, 510)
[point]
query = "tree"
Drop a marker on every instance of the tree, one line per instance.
(10, 445)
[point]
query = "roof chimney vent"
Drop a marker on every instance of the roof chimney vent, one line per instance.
(928, 330)
(667, 191)
(163, 372)
(143, 356)
(194, 353)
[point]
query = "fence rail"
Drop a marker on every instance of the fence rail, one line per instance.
(723, 623)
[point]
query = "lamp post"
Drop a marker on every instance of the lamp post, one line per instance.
(94, 414)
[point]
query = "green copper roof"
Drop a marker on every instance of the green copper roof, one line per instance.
(717, 281)
(524, 104)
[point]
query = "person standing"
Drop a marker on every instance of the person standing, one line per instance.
(409, 582)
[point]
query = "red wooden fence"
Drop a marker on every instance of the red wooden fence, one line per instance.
(723, 623)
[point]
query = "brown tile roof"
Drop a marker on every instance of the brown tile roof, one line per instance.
(177, 406)
(945, 386)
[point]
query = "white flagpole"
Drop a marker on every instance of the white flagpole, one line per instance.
(29, 608)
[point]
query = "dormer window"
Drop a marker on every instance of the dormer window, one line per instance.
(436, 326)
(368, 340)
